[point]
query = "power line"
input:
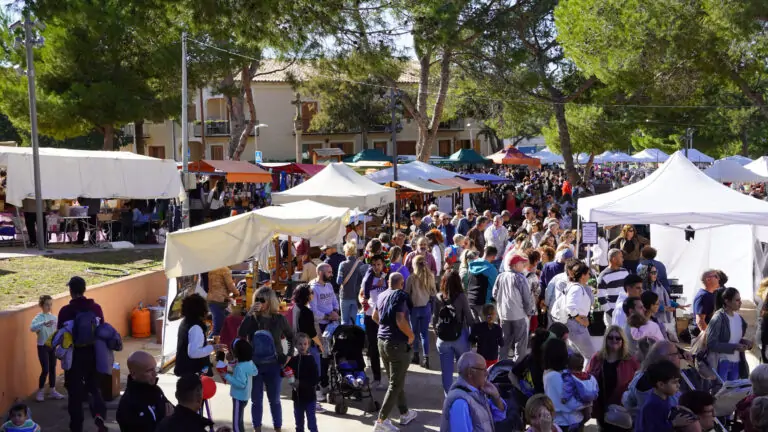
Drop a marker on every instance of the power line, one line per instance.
(489, 99)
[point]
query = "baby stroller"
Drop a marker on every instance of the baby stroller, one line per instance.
(347, 343)
(502, 376)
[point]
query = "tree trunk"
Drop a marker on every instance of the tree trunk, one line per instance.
(565, 142)
(138, 136)
(248, 71)
(744, 143)
(588, 166)
(423, 138)
(109, 137)
(425, 149)
(364, 138)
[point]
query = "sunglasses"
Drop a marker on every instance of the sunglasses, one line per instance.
(261, 300)
(654, 273)
(614, 338)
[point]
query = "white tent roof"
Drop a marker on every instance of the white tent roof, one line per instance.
(698, 157)
(581, 158)
(340, 186)
(731, 171)
(741, 160)
(677, 193)
(651, 155)
(237, 238)
(412, 171)
(759, 166)
(619, 157)
(68, 174)
(549, 157)
(603, 157)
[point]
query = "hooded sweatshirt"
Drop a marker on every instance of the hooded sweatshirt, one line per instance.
(77, 305)
(241, 380)
(482, 277)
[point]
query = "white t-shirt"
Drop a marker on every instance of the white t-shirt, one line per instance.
(735, 325)
(374, 294)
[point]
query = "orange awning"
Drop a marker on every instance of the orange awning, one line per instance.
(235, 171)
(463, 185)
(513, 156)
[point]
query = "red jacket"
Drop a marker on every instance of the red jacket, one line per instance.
(742, 412)
(625, 372)
(229, 329)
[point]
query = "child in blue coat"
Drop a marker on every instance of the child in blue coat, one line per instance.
(241, 381)
(654, 415)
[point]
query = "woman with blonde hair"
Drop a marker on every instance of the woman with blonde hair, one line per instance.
(265, 315)
(631, 244)
(421, 288)
(614, 368)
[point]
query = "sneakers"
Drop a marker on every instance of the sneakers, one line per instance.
(385, 426)
(55, 395)
(40, 397)
(359, 383)
(100, 426)
(319, 408)
(407, 417)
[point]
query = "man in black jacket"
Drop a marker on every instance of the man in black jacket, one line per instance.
(143, 404)
(189, 394)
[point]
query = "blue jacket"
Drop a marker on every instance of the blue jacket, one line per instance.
(107, 341)
(448, 232)
(481, 272)
(465, 225)
(241, 380)
(335, 260)
(551, 270)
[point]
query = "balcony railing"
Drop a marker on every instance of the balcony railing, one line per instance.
(129, 131)
(457, 125)
(216, 128)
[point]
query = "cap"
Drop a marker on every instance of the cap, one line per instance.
(324, 247)
(517, 259)
(564, 254)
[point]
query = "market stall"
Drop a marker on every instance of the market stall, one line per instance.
(513, 156)
(732, 172)
(759, 166)
(369, 155)
(678, 196)
(547, 157)
(741, 160)
(234, 171)
(696, 156)
(415, 170)
(651, 155)
(467, 157)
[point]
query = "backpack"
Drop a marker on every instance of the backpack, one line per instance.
(264, 348)
(448, 326)
(84, 328)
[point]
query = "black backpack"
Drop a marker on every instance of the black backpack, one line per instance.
(449, 324)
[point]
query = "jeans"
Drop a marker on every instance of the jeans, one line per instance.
(238, 412)
(515, 336)
(315, 353)
(371, 332)
(420, 316)
(82, 379)
(269, 376)
(302, 409)
(450, 351)
(348, 311)
(728, 370)
(218, 314)
(48, 365)
(579, 337)
(397, 358)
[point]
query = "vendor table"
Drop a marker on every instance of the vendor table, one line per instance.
(67, 221)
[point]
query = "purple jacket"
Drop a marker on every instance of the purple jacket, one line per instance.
(68, 312)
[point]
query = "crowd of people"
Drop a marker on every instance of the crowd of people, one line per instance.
(510, 285)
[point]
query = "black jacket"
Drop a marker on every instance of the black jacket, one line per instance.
(141, 407)
(305, 371)
(184, 419)
(184, 364)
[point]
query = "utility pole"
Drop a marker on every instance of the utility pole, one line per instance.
(393, 107)
(184, 128)
(29, 41)
(298, 126)
(689, 141)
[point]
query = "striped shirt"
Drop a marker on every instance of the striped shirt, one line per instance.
(610, 284)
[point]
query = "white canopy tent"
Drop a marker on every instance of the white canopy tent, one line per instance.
(696, 156)
(731, 171)
(581, 158)
(547, 156)
(651, 155)
(741, 160)
(678, 195)
(759, 166)
(69, 174)
(412, 171)
(603, 157)
(340, 186)
(620, 157)
(233, 240)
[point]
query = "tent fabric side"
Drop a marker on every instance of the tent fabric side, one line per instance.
(463, 185)
(424, 186)
(237, 238)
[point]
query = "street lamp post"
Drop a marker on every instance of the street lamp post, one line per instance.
(30, 41)
(298, 126)
(689, 142)
(471, 137)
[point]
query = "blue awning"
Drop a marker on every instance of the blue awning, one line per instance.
(485, 177)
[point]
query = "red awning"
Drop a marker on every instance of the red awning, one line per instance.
(293, 168)
(235, 171)
(513, 156)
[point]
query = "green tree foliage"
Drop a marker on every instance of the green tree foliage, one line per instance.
(591, 131)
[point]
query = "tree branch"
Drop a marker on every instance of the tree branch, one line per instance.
(579, 91)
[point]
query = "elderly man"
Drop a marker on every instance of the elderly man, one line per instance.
(446, 229)
(143, 404)
(473, 404)
(395, 339)
(431, 217)
(466, 223)
(476, 234)
(497, 235)
(704, 301)
(610, 283)
(399, 240)
(528, 222)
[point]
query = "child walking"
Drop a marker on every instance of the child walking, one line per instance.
(664, 377)
(241, 382)
(488, 336)
(44, 324)
(303, 392)
(19, 421)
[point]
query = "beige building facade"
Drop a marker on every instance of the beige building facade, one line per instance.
(273, 97)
